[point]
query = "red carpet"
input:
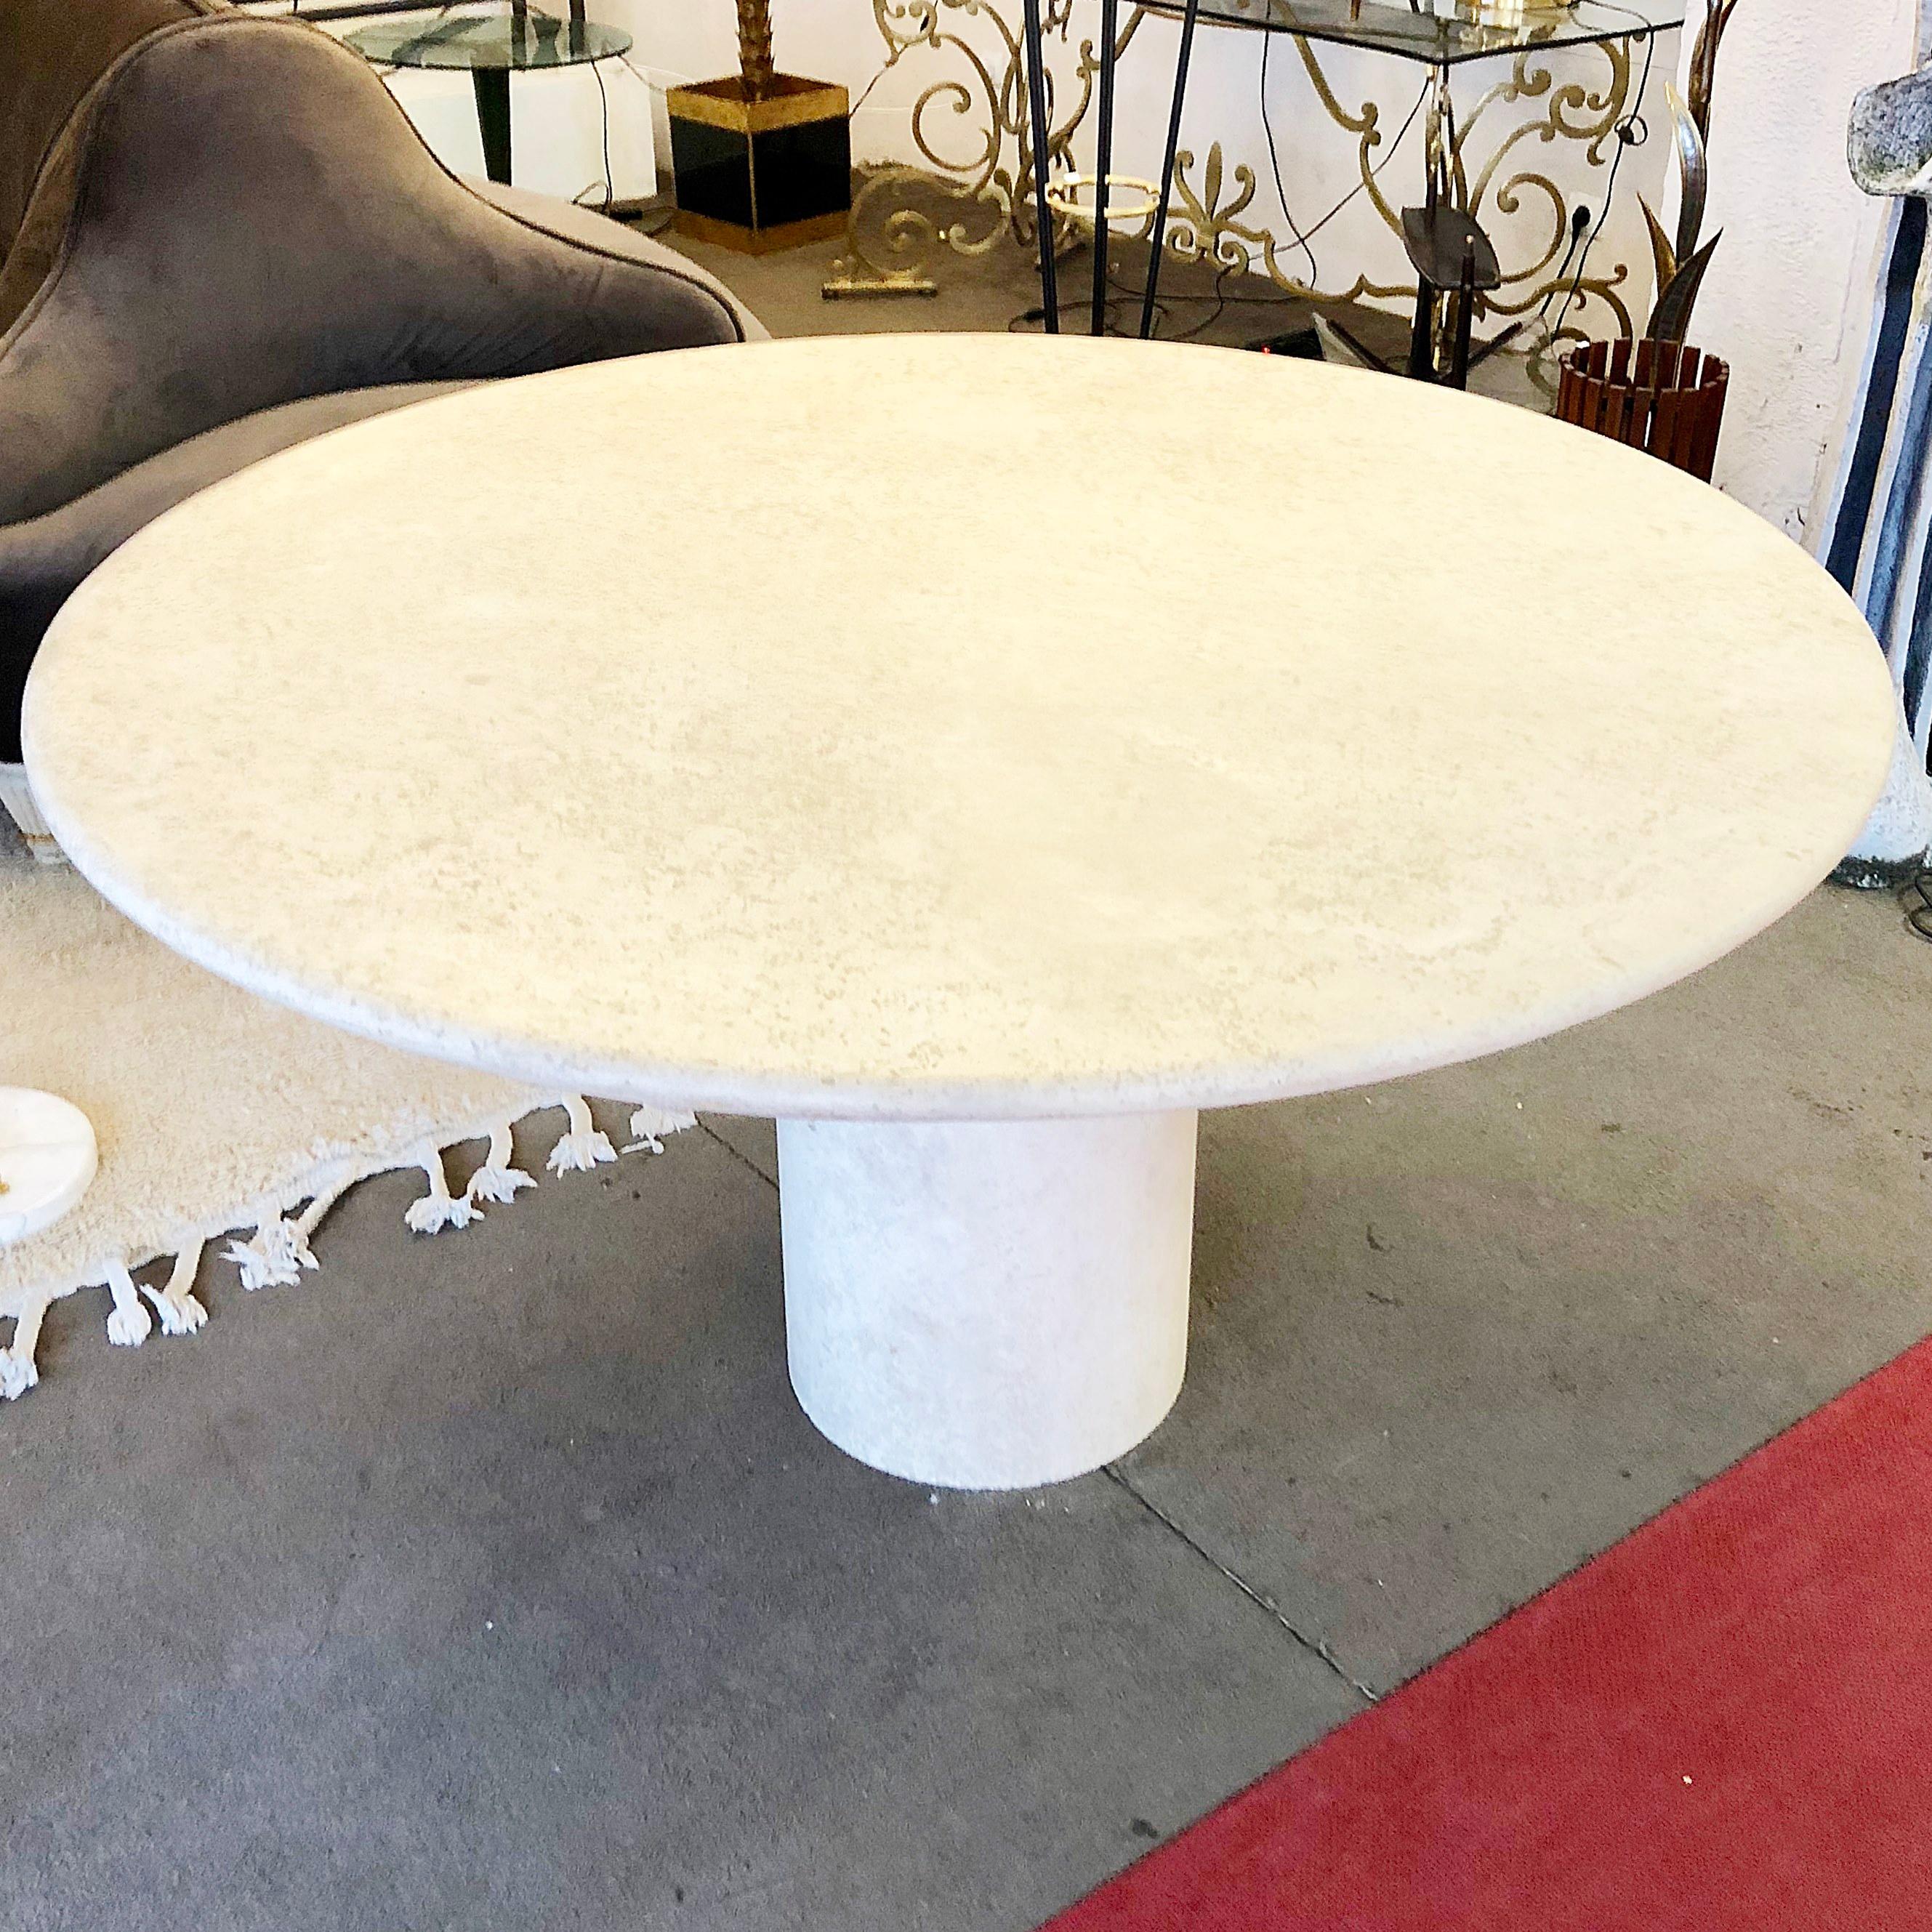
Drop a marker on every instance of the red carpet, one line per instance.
(1722, 1724)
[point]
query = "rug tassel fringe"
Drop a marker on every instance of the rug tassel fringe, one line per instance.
(128, 1323)
(649, 1126)
(439, 1208)
(583, 1147)
(275, 1258)
(18, 1373)
(496, 1180)
(180, 1313)
(278, 1252)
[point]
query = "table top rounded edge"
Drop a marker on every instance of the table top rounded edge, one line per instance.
(909, 1099)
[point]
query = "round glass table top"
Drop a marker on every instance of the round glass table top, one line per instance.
(969, 727)
(512, 42)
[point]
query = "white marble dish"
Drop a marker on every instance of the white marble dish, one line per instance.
(48, 1158)
(959, 730)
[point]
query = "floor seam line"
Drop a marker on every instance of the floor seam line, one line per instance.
(743, 1160)
(1315, 1646)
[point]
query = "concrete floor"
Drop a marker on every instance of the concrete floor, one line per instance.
(1001, 290)
(494, 1580)
(992, 292)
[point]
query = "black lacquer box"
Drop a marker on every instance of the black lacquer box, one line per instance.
(763, 174)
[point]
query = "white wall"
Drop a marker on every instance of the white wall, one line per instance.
(828, 40)
(557, 123)
(1787, 298)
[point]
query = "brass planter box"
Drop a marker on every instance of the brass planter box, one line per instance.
(761, 175)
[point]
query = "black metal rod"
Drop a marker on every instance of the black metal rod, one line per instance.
(1043, 141)
(1187, 20)
(361, 9)
(1104, 162)
(492, 88)
(1485, 350)
(1422, 336)
(1356, 348)
(1466, 315)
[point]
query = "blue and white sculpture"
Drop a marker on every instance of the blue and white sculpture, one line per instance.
(1876, 536)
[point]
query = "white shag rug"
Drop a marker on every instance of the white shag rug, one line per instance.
(218, 1113)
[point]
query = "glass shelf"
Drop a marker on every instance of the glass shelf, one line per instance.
(1442, 33)
(510, 42)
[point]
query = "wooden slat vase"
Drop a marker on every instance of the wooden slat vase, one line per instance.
(1662, 397)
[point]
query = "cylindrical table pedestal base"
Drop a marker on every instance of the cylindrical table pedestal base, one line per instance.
(988, 1305)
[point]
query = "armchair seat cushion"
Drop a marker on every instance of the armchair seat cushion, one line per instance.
(42, 559)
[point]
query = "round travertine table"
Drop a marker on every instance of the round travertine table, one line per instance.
(979, 753)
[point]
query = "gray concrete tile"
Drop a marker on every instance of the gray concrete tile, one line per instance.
(783, 291)
(995, 289)
(495, 1580)
(1454, 1335)
(755, 1142)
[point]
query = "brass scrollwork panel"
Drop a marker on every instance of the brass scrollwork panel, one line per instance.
(965, 198)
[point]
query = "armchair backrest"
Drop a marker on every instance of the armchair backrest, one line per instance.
(51, 53)
(237, 215)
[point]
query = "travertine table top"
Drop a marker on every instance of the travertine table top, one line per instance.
(922, 726)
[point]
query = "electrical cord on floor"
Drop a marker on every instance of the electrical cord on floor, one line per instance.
(1125, 294)
(1036, 315)
(1275, 298)
(1220, 299)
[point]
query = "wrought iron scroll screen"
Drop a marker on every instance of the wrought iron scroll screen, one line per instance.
(1518, 150)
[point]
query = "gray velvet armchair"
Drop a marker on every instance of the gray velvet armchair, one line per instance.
(220, 236)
